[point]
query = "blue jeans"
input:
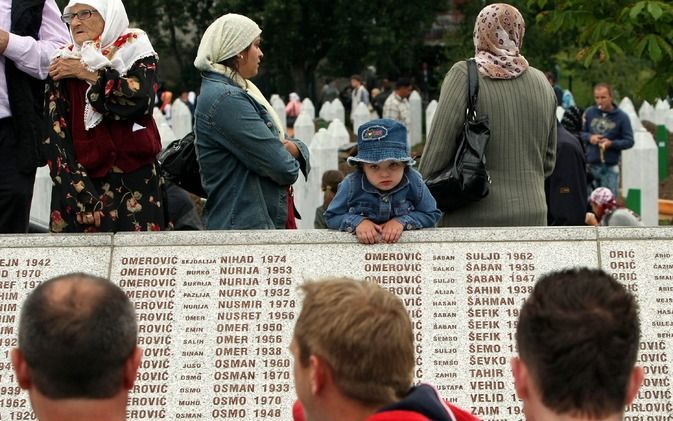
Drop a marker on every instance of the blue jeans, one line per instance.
(605, 176)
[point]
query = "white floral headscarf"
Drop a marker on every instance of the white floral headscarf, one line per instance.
(118, 47)
(227, 36)
(498, 35)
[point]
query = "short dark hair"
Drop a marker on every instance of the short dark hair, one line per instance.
(76, 338)
(603, 85)
(403, 82)
(578, 334)
(357, 77)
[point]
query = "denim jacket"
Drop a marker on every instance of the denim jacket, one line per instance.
(245, 169)
(410, 202)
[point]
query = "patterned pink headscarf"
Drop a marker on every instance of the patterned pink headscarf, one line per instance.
(603, 198)
(498, 34)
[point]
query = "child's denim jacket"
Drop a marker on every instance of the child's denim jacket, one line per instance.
(410, 202)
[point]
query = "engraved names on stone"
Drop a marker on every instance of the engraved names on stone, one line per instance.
(648, 272)
(401, 273)
(215, 321)
(21, 270)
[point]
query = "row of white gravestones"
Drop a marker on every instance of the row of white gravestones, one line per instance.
(660, 114)
(331, 110)
(361, 114)
(324, 156)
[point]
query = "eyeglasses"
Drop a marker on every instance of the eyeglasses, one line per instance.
(81, 15)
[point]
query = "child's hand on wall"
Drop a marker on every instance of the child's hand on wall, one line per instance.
(368, 232)
(391, 231)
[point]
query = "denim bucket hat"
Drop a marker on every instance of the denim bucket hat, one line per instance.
(382, 140)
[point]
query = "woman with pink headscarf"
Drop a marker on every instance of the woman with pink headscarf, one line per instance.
(606, 213)
(520, 105)
(103, 140)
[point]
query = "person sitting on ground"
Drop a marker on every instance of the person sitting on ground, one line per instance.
(77, 355)
(606, 213)
(353, 350)
(577, 336)
(330, 183)
(384, 196)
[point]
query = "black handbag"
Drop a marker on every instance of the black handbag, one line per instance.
(179, 165)
(465, 179)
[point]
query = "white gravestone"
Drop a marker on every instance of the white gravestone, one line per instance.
(636, 124)
(279, 107)
(181, 119)
(416, 116)
(360, 116)
(338, 110)
(429, 115)
(661, 111)
(326, 111)
(165, 132)
(304, 129)
(338, 136)
(323, 157)
(640, 170)
(646, 112)
(559, 113)
(308, 107)
(627, 106)
(40, 206)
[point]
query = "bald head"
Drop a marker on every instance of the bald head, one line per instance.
(76, 332)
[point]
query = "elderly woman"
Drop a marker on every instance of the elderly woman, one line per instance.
(247, 164)
(606, 213)
(103, 140)
(520, 105)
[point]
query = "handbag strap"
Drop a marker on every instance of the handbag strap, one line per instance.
(472, 89)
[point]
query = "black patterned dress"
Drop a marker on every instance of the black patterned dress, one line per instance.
(109, 168)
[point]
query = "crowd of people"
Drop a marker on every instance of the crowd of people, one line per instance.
(100, 140)
(353, 342)
(353, 350)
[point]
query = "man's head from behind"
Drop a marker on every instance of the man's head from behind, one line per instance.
(578, 335)
(354, 338)
(77, 339)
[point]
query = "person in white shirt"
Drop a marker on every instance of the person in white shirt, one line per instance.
(30, 32)
(359, 93)
(396, 106)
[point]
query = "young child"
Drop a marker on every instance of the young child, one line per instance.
(385, 196)
(330, 182)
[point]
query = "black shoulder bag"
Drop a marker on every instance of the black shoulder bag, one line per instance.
(179, 165)
(465, 179)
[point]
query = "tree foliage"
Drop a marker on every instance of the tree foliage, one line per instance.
(301, 39)
(624, 32)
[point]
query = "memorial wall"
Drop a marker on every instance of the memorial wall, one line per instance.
(216, 310)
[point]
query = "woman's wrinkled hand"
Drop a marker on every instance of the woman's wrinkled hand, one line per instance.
(89, 218)
(64, 68)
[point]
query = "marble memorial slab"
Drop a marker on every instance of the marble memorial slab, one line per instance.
(216, 310)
